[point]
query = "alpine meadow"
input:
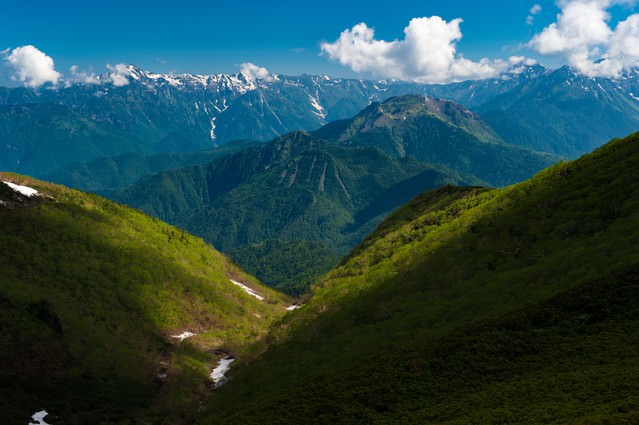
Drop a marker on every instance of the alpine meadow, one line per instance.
(348, 213)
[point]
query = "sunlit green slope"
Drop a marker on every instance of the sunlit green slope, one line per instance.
(92, 294)
(514, 305)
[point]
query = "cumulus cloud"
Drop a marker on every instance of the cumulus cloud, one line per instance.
(534, 10)
(31, 67)
(583, 35)
(78, 76)
(119, 74)
(519, 64)
(428, 53)
(255, 72)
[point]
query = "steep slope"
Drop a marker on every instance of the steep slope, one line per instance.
(94, 296)
(548, 113)
(471, 306)
(437, 132)
(296, 187)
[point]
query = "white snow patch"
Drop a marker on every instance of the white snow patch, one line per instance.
(183, 335)
(173, 80)
(247, 290)
(38, 418)
(24, 190)
(213, 128)
(218, 373)
(293, 307)
(321, 112)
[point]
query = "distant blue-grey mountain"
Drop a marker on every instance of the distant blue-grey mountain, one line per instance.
(42, 130)
(564, 112)
(45, 129)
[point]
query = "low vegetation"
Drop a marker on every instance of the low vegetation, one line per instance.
(92, 294)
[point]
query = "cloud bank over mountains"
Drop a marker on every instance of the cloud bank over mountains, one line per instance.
(33, 68)
(428, 53)
(582, 34)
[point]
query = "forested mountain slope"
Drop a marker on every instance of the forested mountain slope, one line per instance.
(470, 305)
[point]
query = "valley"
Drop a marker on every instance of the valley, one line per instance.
(263, 248)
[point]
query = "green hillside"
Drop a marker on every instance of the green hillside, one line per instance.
(294, 188)
(92, 294)
(514, 305)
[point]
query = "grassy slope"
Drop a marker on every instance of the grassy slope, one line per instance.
(438, 283)
(295, 188)
(90, 292)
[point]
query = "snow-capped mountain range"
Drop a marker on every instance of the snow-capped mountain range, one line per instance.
(133, 110)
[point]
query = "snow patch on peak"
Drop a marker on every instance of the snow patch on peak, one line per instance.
(213, 136)
(173, 80)
(319, 109)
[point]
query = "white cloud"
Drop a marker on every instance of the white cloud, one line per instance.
(428, 53)
(534, 10)
(31, 67)
(253, 71)
(119, 74)
(78, 76)
(518, 64)
(582, 35)
(521, 60)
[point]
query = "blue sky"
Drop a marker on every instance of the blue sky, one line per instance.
(283, 36)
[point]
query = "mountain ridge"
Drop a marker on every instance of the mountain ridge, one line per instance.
(149, 113)
(465, 296)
